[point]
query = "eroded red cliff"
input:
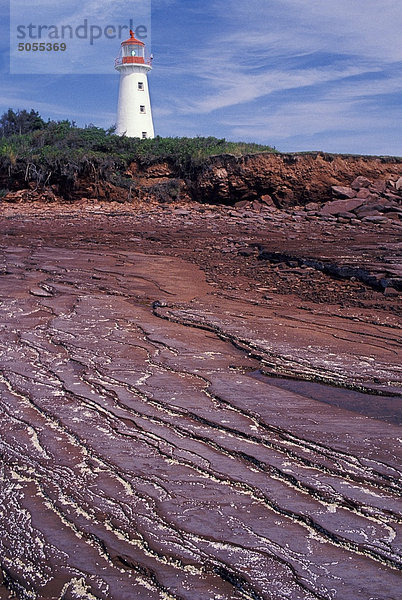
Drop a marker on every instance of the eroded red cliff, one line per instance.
(281, 179)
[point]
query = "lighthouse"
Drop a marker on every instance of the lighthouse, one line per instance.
(134, 114)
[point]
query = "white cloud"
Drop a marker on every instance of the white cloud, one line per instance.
(339, 55)
(236, 88)
(303, 118)
(369, 28)
(346, 120)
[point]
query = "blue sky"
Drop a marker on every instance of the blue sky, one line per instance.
(296, 74)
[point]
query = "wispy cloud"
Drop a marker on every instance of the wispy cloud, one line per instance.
(291, 68)
(262, 52)
(237, 88)
(366, 28)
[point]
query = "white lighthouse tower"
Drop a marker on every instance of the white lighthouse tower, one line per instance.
(134, 115)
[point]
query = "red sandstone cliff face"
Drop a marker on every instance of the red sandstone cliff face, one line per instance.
(288, 179)
(279, 179)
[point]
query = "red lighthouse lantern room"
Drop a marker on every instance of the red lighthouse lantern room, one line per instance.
(132, 51)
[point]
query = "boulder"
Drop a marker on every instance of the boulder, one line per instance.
(242, 204)
(363, 193)
(284, 196)
(367, 211)
(379, 186)
(267, 200)
(256, 205)
(341, 191)
(340, 206)
(360, 182)
(398, 184)
(312, 206)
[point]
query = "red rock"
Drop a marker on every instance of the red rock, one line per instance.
(246, 252)
(156, 317)
(18, 196)
(390, 291)
(343, 191)
(347, 215)
(391, 207)
(256, 205)
(376, 205)
(267, 199)
(360, 182)
(375, 219)
(242, 204)
(393, 197)
(340, 206)
(395, 216)
(312, 206)
(38, 291)
(284, 196)
(374, 199)
(367, 211)
(378, 186)
(363, 193)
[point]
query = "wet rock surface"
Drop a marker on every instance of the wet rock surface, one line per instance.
(165, 431)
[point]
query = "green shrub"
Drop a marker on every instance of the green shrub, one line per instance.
(41, 151)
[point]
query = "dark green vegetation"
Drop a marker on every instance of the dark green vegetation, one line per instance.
(43, 152)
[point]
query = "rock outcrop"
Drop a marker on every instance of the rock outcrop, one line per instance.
(371, 201)
(274, 179)
(288, 180)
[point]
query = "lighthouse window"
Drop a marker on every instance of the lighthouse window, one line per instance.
(134, 50)
(140, 85)
(142, 108)
(144, 135)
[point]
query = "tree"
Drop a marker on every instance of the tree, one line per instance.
(19, 122)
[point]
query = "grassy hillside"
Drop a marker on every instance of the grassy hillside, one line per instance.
(43, 152)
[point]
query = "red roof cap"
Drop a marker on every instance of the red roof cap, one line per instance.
(132, 40)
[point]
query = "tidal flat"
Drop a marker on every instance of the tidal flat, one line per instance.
(191, 409)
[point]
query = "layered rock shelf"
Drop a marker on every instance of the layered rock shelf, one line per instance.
(201, 402)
